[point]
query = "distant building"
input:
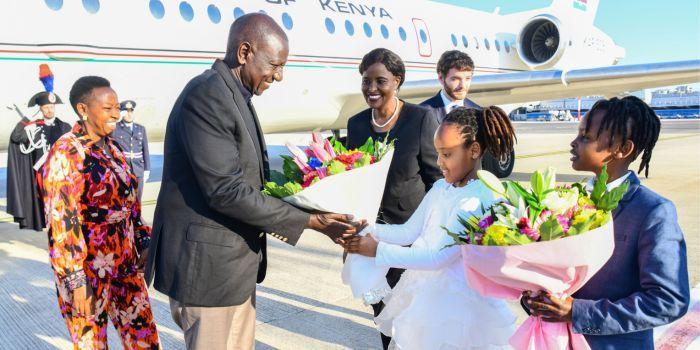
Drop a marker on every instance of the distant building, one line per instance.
(681, 97)
(678, 103)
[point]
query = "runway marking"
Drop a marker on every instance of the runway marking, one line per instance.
(682, 334)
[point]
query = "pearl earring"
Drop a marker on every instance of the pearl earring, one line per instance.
(84, 117)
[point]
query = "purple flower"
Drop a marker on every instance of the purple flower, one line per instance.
(564, 222)
(486, 222)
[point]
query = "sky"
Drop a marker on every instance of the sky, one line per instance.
(649, 30)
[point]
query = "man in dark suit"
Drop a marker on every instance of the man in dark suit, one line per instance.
(133, 141)
(209, 232)
(455, 69)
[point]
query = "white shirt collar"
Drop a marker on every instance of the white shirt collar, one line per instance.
(49, 121)
(449, 103)
(610, 185)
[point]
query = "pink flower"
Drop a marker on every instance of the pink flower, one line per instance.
(322, 172)
(305, 168)
(320, 153)
(564, 222)
(327, 146)
(527, 230)
(316, 137)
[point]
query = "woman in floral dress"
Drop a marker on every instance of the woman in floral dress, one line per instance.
(97, 241)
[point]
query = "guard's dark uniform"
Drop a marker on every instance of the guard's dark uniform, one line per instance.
(29, 143)
(133, 141)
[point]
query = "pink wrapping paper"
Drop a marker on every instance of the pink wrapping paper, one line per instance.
(560, 266)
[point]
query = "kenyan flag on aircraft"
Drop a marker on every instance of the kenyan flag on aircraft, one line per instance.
(580, 4)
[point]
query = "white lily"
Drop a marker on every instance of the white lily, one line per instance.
(559, 203)
(492, 182)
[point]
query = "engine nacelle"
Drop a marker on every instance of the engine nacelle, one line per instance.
(542, 42)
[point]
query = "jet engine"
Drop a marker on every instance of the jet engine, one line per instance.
(542, 42)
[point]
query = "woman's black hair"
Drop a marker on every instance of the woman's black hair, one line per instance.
(629, 118)
(82, 89)
(388, 58)
(490, 127)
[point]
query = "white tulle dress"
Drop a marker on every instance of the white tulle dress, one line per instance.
(432, 306)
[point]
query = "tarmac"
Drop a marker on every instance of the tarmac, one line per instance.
(302, 304)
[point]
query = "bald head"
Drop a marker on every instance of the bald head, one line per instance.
(258, 30)
(257, 51)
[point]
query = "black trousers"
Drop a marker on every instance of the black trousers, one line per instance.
(392, 278)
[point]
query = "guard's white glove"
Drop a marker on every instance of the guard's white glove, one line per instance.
(146, 175)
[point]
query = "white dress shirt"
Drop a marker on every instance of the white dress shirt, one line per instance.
(449, 104)
(610, 185)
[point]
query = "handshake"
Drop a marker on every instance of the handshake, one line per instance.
(341, 229)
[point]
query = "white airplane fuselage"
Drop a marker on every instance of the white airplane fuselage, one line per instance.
(149, 58)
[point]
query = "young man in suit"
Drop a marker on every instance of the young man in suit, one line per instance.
(209, 232)
(133, 141)
(455, 69)
(645, 282)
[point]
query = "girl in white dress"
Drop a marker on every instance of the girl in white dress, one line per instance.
(432, 306)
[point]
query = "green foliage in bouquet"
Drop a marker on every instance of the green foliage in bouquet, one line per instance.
(543, 213)
(323, 158)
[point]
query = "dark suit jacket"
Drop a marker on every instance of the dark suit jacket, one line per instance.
(209, 245)
(437, 105)
(645, 282)
(134, 140)
(414, 167)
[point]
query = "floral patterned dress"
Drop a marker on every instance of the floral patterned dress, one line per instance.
(96, 236)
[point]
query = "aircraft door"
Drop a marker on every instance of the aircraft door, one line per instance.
(425, 48)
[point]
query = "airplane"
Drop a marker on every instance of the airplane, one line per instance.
(149, 49)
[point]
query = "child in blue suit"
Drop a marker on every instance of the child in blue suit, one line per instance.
(645, 282)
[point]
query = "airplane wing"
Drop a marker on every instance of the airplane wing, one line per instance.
(521, 87)
(494, 89)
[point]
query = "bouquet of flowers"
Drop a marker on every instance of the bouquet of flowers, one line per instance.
(327, 177)
(549, 237)
(321, 159)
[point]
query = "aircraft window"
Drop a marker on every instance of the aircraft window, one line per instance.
(238, 12)
(498, 45)
(186, 11)
(385, 31)
(402, 33)
(423, 36)
(287, 21)
(465, 42)
(368, 29)
(507, 46)
(54, 4)
(330, 26)
(157, 9)
(454, 40)
(91, 6)
(486, 44)
(477, 42)
(214, 13)
(349, 27)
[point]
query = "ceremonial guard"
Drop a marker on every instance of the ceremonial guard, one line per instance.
(28, 148)
(133, 141)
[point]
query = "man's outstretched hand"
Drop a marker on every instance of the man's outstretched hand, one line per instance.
(337, 227)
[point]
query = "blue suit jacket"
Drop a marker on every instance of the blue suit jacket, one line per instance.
(437, 105)
(645, 282)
